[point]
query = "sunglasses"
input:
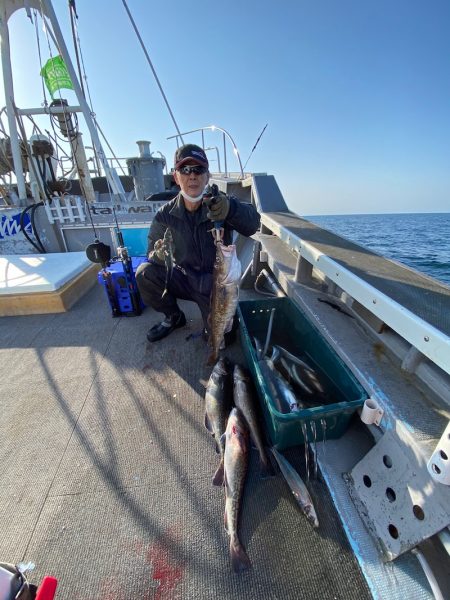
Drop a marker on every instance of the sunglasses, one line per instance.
(196, 169)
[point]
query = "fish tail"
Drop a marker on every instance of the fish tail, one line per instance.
(311, 516)
(239, 559)
(212, 358)
(219, 474)
(166, 284)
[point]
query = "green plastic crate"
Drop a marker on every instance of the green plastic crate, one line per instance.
(295, 332)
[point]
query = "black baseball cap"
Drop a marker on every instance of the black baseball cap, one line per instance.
(190, 153)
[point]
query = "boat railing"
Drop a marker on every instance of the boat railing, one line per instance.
(225, 136)
(424, 338)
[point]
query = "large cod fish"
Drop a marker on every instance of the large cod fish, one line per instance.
(217, 408)
(224, 296)
(244, 400)
(236, 464)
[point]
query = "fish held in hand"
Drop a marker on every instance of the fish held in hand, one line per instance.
(217, 408)
(224, 297)
(236, 464)
(244, 399)
(297, 487)
(167, 250)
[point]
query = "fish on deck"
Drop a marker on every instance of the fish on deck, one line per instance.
(297, 487)
(235, 467)
(244, 400)
(218, 400)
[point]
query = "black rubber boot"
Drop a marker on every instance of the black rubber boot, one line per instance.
(162, 330)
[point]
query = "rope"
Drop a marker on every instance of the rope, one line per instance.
(2, 127)
(109, 147)
(53, 117)
(93, 115)
(152, 68)
(40, 57)
(74, 38)
(88, 210)
(84, 75)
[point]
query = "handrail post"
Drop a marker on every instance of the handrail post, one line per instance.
(225, 154)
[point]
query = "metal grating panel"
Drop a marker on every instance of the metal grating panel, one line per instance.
(396, 497)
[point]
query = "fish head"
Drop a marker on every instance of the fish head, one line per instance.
(168, 247)
(222, 366)
(221, 372)
(241, 383)
(239, 373)
(168, 239)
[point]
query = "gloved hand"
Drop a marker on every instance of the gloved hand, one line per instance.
(218, 207)
(157, 254)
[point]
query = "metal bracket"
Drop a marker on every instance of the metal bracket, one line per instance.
(396, 497)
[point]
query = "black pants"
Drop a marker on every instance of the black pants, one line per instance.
(183, 285)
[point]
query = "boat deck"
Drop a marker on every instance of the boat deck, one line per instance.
(106, 471)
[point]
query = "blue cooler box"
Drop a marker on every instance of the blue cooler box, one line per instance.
(117, 291)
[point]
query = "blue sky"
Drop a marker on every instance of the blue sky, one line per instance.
(356, 93)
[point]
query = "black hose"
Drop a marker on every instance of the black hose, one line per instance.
(50, 166)
(33, 226)
(38, 244)
(43, 179)
(22, 227)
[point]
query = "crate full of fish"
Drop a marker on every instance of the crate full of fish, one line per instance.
(306, 391)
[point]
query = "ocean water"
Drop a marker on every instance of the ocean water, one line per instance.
(419, 240)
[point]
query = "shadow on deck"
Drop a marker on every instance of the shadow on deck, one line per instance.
(106, 471)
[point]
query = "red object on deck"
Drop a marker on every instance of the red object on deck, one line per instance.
(47, 589)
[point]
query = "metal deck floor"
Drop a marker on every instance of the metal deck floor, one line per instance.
(106, 471)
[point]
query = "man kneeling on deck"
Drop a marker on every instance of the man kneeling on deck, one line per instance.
(189, 219)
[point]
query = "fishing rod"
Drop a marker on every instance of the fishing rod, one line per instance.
(99, 252)
(125, 258)
(209, 197)
(256, 143)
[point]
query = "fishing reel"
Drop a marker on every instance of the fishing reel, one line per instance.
(211, 192)
(209, 198)
(98, 252)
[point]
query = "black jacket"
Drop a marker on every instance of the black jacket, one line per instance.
(191, 232)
